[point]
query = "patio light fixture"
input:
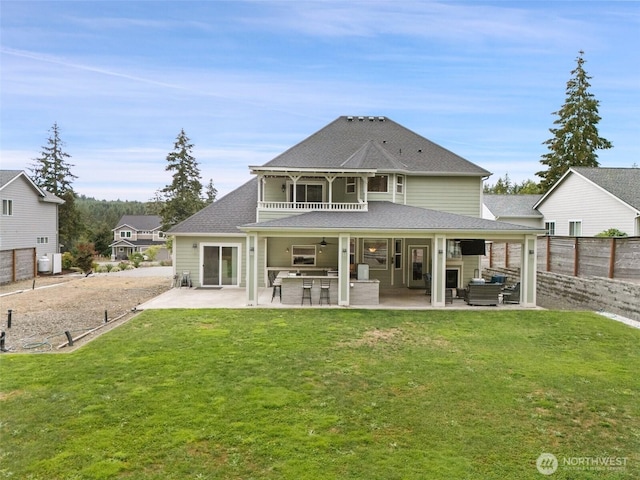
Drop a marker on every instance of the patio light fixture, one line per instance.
(195, 245)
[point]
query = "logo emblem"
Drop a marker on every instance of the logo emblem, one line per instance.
(547, 463)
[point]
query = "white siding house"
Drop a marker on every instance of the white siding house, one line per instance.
(587, 201)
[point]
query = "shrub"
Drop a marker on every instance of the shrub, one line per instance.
(67, 260)
(136, 258)
(612, 232)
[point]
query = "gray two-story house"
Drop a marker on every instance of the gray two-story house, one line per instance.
(28, 227)
(365, 201)
(136, 234)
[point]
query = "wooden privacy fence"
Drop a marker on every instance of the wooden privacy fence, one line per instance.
(617, 257)
(17, 264)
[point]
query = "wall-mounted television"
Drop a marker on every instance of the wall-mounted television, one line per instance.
(472, 247)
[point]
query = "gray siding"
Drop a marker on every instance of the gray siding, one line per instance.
(31, 219)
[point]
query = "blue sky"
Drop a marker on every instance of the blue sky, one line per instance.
(248, 79)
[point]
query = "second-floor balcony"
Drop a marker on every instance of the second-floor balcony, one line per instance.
(313, 206)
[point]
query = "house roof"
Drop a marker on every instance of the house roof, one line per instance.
(224, 215)
(386, 216)
(622, 183)
(140, 222)
(9, 176)
(512, 206)
(373, 142)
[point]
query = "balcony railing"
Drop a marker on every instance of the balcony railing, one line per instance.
(311, 206)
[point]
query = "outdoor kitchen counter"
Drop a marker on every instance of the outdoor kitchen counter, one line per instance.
(361, 292)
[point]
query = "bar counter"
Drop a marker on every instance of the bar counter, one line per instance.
(361, 292)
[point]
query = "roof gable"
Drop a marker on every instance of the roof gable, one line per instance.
(7, 177)
(621, 183)
(373, 142)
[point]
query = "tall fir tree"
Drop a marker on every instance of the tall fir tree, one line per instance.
(212, 192)
(52, 172)
(575, 140)
(183, 197)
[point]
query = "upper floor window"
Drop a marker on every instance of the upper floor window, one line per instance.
(550, 227)
(125, 234)
(400, 184)
(575, 228)
(378, 184)
(351, 185)
(307, 192)
(7, 207)
(42, 240)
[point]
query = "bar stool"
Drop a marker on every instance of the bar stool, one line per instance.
(325, 286)
(307, 284)
(276, 283)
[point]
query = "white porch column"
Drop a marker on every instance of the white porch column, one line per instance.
(343, 270)
(529, 272)
(251, 260)
(438, 275)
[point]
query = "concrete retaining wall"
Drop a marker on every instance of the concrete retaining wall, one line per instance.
(566, 292)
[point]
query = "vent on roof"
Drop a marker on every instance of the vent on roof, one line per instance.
(361, 119)
(349, 119)
(419, 150)
(381, 119)
(371, 119)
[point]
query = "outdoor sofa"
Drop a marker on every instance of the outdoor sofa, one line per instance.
(483, 293)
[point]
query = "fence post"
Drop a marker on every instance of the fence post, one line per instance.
(576, 256)
(548, 253)
(612, 258)
(506, 255)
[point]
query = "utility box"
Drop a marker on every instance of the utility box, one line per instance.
(363, 271)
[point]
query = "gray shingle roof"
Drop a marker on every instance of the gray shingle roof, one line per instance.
(140, 222)
(512, 206)
(224, 215)
(624, 183)
(373, 142)
(389, 216)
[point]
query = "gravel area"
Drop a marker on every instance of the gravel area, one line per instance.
(44, 309)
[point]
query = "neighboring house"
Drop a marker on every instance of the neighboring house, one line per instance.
(136, 233)
(360, 191)
(29, 221)
(587, 201)
(513, 209)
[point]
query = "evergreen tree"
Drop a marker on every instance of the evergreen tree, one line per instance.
(183, 197)
(576, 139)
(212, 192)
(52, 172)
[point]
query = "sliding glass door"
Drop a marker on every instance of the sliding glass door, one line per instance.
(220, 265)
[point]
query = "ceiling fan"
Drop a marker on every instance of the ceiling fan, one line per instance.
(324, 243)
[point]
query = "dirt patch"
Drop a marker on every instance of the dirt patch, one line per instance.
(374, 337)
(42, 311)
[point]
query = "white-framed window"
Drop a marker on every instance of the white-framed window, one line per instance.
(42, 240)
(375, 252)
(125, 233)
(453, 249)
(303, 255)
(550, 227)
(307, 192)
(378, 184)
(350, 185)
(575, 228)
(7, 207)
(397, 254)
(400, 184)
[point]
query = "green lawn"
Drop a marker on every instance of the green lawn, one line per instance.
(329, 394)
